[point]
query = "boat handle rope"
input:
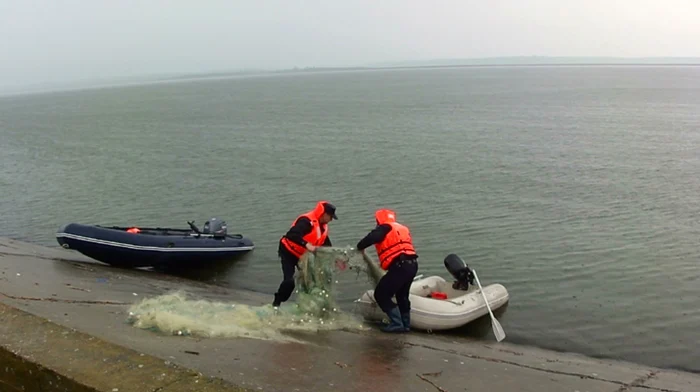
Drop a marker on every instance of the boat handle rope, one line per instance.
(371, 298)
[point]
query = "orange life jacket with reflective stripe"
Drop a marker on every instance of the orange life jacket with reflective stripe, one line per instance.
(317, 236)
(398, 241)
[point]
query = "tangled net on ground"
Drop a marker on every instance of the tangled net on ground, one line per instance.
(314, 308)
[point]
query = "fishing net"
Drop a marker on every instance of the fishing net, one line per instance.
(363, 264)
(313, 309)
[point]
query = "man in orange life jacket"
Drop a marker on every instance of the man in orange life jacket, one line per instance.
(398, 257)
(308, 231)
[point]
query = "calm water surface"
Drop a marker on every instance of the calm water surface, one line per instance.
(575, 187)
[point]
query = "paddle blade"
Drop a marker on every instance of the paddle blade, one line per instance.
(498, 330)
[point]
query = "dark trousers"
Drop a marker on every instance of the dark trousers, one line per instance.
(286, 288)
(396, 282)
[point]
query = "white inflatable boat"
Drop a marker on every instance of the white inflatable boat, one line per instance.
(437, 305)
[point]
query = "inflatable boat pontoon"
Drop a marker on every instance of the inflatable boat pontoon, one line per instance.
(437, 304)
(133, 247)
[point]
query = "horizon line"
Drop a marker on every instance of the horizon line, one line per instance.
(457, 62)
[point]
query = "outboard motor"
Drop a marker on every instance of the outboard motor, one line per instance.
(215, 227)
(460, 271)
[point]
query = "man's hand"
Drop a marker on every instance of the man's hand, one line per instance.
(310, 247)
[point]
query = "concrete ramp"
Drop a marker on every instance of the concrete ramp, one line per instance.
(63, 328)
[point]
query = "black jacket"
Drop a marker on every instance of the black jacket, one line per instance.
(375, 236)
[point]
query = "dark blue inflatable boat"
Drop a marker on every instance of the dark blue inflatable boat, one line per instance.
(132, 247)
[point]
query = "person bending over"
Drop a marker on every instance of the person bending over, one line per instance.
(308, 231)
(398, 257)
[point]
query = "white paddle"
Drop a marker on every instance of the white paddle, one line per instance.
(497, 329)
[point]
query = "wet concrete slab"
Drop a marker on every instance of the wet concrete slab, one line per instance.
(671, 381)
(38, 355)
(93, 299)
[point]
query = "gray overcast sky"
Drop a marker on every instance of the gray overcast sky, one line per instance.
(66, 40)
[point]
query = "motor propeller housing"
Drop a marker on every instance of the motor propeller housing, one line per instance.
(460, 271)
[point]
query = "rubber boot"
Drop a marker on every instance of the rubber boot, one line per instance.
(406, 319)
(395, 322)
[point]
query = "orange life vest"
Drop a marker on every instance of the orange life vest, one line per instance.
(317, 236)
(396, 242)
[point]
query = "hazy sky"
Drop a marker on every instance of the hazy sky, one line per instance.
(65, 40)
